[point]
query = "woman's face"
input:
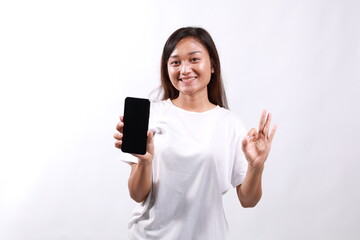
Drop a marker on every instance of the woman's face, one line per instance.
(189, 67)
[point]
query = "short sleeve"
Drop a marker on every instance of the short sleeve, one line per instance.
(240, 163)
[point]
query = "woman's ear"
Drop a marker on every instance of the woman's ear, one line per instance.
(212, 70)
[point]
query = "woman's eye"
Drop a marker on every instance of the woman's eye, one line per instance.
(175, 63)
(195, 59)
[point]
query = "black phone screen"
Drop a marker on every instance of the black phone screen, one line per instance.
(136, 121)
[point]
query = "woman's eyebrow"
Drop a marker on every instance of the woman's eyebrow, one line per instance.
(190, 53)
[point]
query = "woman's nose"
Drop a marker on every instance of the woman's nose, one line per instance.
(185, 68)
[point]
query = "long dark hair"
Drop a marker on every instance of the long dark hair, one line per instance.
(216, 92)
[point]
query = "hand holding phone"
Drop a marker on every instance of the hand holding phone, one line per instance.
(136, 123)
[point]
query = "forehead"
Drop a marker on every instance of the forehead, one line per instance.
(188, 45)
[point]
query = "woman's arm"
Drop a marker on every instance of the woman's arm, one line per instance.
(256, 147)
(140, 179)
(250, 191)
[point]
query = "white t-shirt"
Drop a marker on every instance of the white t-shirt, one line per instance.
(197, 159)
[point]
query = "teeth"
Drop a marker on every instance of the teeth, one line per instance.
(188, 79)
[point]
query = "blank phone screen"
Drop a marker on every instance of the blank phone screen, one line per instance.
(136, 121)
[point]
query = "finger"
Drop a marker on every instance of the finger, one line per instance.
(262, 120)
(118, 136)
(150, 136)
(272, 132)
(149, 146)
(252, 132)
(252, 135)
(120, 126)
(267, 125)
(118, 144)
(244, 143)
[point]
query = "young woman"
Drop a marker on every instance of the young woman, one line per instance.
(200, 148)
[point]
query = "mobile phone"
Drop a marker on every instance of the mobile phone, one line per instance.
(136, 123)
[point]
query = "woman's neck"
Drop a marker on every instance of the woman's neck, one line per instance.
(193, 104)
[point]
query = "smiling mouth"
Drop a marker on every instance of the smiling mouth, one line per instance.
(187, 79)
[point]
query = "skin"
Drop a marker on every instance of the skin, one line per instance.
(190, 69)
(256, 147)
(139, 182)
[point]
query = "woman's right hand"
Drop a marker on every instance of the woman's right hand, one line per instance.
(148, 156)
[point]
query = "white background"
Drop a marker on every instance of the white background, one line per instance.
(66, 67)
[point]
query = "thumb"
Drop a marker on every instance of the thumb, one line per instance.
(245, 142)
(150, 144)
(150, 136)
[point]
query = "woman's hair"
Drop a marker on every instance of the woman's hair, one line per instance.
(216, 92)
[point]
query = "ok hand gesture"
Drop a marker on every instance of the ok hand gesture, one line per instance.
(256, 145)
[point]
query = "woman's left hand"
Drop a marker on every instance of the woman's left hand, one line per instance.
(256, 145)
